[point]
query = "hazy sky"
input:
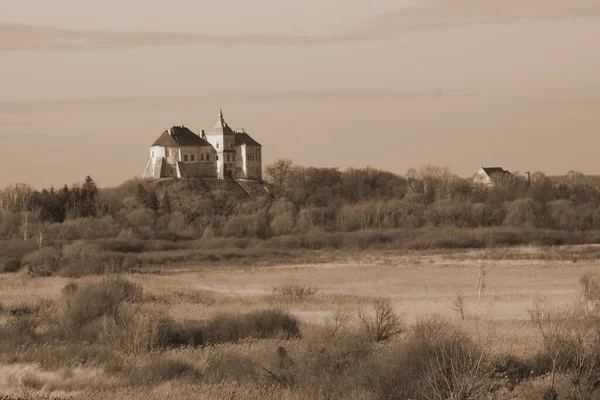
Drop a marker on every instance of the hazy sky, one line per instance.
(86, 86)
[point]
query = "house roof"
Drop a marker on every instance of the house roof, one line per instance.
(244, 138)
(179, 136)
(494, 170)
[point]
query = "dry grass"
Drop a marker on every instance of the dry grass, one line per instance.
(325, 297)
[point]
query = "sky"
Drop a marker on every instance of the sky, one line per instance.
(86, 87)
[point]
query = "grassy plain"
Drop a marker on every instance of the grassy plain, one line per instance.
(417, 283)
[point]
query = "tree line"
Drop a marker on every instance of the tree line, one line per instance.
(299, 200)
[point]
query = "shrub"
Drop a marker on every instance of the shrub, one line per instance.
(135, 330)
(294, 293)
(160, 369)
(42, 262)
(282, 224)
(91, 261)
(590, 288)
(15, 249)
(12, 265)
(383, 323)
(87, 304)
(121, 246)
(438, 361)
(267, 324)
(226, 367)
(23, 324)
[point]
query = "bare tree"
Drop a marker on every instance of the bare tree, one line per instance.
(481, 281)
(15, 198)
(590, 290)
(40, 232)
(551, 328)
(340, 320)
(278, 172)
(458, 305)
(25, 225)
(27, 218)
(383, 323)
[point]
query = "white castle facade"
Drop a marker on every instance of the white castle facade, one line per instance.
(222, 153)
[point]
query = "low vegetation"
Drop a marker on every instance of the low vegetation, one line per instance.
(108, 335)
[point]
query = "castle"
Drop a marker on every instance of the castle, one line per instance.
(222, 153)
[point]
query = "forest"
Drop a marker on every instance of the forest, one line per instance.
(299, 200)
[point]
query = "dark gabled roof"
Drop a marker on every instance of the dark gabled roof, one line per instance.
(244, 138)
(497, 174)
(494, 170)
(179, 136)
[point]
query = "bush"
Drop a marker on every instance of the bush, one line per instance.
(15, 249)
(438, 361)
(12, 265)
(383, 323)
(132, 330)
(294, 293)
(121, 246)
(160, 369)
(99, 264)
(590, 288)
(42, 262)
(227, 367)
(268, 324)
(85, 305)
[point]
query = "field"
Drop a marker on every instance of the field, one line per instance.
(323, 297)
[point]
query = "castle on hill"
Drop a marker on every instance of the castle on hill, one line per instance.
(221, 153)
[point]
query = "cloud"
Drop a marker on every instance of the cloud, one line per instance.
(441, 14)
(126, 104)
(438, 14)
(14, 37)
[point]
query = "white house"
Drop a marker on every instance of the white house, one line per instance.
(491, 176)
(223, 152)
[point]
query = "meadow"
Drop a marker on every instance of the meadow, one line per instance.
(356, 324)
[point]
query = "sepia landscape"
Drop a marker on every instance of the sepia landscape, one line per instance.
(357, 200)
(319, 284)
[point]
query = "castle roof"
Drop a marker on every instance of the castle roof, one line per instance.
(244, 138)
(179, 136)
(221, 126)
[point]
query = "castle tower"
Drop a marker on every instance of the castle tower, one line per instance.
(222, 138)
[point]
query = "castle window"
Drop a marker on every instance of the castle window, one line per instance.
(169, 153)
(217, 158)
(201, 157)
(228, 157)
(185, 157)
(192, 156)
(217, 145)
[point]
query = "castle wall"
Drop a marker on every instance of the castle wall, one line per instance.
(206, 169)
